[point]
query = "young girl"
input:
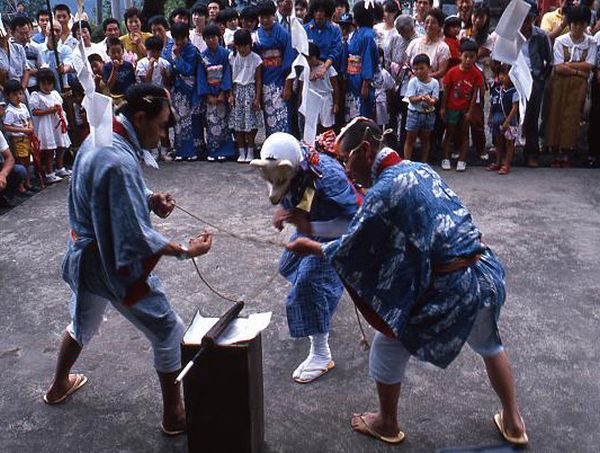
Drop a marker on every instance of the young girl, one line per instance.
(18, 128)
(383, 82)
(274, 46)
(118, 74)
(451, 31)
(504, 119)
(361, 65)
(50, 125)
(186, 100)
(216, 89)
(245, 118)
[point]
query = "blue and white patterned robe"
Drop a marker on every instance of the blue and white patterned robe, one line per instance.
(317, 288)
(410, 222)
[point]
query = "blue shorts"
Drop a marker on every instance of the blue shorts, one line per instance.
(420, 121)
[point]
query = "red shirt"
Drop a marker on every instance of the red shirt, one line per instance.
(454, 51)
(461, 86)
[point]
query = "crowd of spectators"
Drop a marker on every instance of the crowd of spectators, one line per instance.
(428, 77)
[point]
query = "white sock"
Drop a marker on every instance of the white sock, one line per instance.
(250, 153)
(318, 358)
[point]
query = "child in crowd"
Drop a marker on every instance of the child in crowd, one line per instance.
(245, 117)
(249, 21)
(301, 8)
(423, 92)
(361, 65)
(452, 26)
(97, 65)
(216, 89)
(82, 127)
(274, 46)
(504, 120)
(383, 82)
(232, 24)
(18, 128)
(462, 83)
(326, 87)
(118, 74)
(199, 21)
(153, 68)
(50, 125)
(187, 102)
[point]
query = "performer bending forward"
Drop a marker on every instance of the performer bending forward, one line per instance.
(315, 195)
(415, 265)
(114, 248)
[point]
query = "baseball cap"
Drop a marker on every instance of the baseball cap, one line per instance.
(345, 19)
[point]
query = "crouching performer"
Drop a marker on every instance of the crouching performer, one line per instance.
(416, 267)
(314, 194)
(113, 249)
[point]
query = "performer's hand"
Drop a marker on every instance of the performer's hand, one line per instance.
(299, 218)
(162, 204)
(279, 217)
(305, 247)
(200, 245)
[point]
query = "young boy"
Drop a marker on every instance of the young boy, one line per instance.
(97, 65)
(18, 128)
(153, 68)
(118, 74)
(461, 85)
(423, 92)
(326, 87)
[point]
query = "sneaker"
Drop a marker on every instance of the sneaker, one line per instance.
(454, 156)
(485, 157)
(221, 158)
(461, 165)
(52, 178)
(446, 164)
(63, 172)
(210, 159)
(192, 159)
(178, 159)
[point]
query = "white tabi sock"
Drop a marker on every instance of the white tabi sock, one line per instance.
(318, 360)
(242, 153)
(249, 153)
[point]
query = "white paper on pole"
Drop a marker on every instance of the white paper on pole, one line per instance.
(99, 113)
(509, 25)
(521, 78)
(2, 29)
(314, 104)
(507, 51)
(298, 36)
(238, 331)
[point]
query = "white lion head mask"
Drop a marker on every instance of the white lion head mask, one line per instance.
(280, 158)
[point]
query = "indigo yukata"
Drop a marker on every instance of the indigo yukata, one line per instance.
(328, 39)
(219, 142)
(410, 223)
(361, 63)
(322, 189)
(113, 247)
(275, 49)
(187, 101)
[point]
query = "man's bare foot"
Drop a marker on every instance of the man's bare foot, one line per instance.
(376, 423)
(514, 424)
(61, 389)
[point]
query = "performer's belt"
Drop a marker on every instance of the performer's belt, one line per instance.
(455, 265)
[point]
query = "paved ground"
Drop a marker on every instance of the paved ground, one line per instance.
(544, 224)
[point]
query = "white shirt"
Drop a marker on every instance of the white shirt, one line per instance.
(576, 50)
(197, 40)
(323, 86)
(243, 69)
(18, 117)
(438, 52)
(3, 146)
(228, 36)
(159, 66)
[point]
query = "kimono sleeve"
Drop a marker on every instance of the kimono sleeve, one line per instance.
(226, 80)
(335, 46)
(187, 63)
(133, 237)
(289, 53)
(370, 57)
(201, 81)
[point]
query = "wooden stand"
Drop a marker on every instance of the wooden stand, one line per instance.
(224, 398)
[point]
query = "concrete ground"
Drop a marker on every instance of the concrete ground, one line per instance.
(544, 224)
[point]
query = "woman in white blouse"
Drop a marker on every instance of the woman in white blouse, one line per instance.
(432, 44)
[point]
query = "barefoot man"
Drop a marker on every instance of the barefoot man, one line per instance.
(114, 248)
(415, 265)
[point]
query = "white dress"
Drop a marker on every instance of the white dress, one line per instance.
(47, 127)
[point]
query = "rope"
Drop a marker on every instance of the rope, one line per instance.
(364, 342)
(240, 237)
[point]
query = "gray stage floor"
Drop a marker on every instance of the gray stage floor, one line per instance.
(544, 224)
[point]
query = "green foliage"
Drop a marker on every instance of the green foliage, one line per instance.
(170, 5)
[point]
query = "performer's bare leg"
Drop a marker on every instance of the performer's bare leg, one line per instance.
(500, 374)
(173, 410)
(67, 356)
(384, 422)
